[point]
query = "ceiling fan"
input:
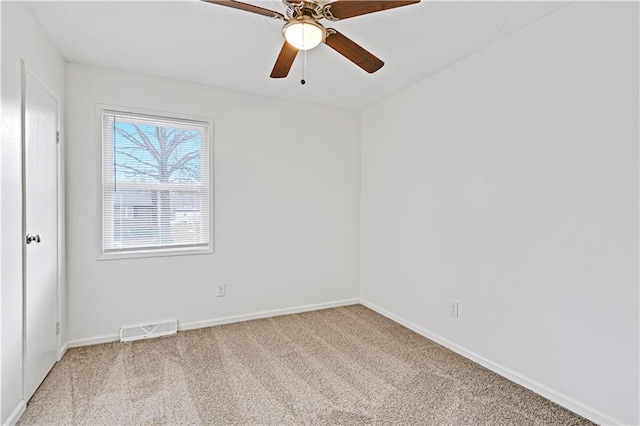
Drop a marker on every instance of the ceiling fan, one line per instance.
(302, 31)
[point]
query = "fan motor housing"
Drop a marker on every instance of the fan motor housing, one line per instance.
(311, 9)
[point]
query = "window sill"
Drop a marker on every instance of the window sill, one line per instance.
(134, 254)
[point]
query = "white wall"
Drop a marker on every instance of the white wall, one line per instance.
(22, 38)
(509, 182)
(286, 196)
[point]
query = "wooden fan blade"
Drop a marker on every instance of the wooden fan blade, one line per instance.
(343, 9)
(285, 60)
(247, 8)
(353, 52)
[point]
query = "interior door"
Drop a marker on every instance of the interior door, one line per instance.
(41, 239)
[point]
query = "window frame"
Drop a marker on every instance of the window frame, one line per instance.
(160, 251)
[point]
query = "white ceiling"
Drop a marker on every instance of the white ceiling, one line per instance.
(218, 46)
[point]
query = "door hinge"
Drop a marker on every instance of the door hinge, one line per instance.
(57, 328)
(58, 136)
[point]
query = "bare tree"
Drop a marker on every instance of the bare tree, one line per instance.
(164, 155)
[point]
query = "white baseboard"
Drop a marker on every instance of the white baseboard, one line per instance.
(224, 320)
(559, 398)
(63, 351)
(17, 413)
(265, 314)
(93, 340)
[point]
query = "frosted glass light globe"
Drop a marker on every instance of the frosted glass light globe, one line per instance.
(304, 35)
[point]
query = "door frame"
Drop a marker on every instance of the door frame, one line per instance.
(60, 225)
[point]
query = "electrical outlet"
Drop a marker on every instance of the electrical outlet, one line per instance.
(222, 290)
(453, 308)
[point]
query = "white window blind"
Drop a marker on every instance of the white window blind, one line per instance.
(155, 183)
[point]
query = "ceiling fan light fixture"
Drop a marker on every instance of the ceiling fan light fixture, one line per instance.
(304, 34)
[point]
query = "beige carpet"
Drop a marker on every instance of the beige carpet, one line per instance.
(337, 366)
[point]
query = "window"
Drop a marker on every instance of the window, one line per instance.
(155, 185)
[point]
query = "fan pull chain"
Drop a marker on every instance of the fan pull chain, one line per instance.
(304, 66)
(304, 62)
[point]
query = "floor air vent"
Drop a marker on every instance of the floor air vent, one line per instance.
(147, 331)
